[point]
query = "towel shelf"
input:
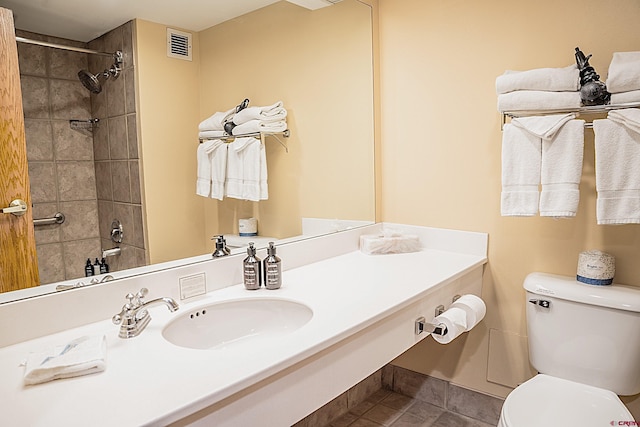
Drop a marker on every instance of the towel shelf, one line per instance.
(582, 111)
(262, 135)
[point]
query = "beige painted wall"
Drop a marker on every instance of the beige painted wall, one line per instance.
(440, 149)
(320, 65)
(169, 116)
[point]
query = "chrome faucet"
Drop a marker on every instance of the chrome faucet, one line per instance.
(134, 316)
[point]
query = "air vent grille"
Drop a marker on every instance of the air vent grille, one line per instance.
(178, 44)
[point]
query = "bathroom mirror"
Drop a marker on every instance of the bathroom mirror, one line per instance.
(321, 178)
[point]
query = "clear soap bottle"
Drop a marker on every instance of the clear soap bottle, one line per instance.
(252, 269)
(272, 269)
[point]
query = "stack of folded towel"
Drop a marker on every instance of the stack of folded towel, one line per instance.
(237, 169)
(271, 118)
(539, 89)
(617, 146)
(623, 80)
(545, 150)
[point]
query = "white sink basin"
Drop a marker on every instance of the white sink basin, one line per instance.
(230, 323)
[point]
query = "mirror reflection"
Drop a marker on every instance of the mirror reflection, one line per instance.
(122, 163)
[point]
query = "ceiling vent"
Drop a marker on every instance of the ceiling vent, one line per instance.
(179, 44)
(314, 4)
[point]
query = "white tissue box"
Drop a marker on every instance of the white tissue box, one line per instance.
(375, 244)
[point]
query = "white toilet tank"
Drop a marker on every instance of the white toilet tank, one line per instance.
(584, 333)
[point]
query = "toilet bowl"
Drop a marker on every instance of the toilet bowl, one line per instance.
(584, 341)
(546, 401)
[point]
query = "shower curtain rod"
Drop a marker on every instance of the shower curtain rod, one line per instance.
(117, 54)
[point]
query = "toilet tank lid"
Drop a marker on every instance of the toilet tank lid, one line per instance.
(620, 297)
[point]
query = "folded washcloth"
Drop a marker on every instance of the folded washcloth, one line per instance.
(544, 127)
(212, 134)
(617, 149)
(565, 79)
(625, 97)
(629, 117)
(270, 113)
(247, 170)
(538, 100)
(82, 356)
(260, 126)
(624, 72)
(521, 157)
(217, 120)
(561, 171)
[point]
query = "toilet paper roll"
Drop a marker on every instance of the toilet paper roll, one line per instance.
(248, 227)
(455, 319)
(596, 268)
(473, 306)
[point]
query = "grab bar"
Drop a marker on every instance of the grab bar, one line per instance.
(58, 218)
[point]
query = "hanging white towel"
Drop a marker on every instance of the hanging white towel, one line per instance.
(629, 117)
(212, 167)
(562, 170)
(217, 120)
(521, 158)
(624, 72)
(545, 150)
(565, 79)
(260, 126)
(246, 170)
(617, 149)
(538, 100)
(269, 113)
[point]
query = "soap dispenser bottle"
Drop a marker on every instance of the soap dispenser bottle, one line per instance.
(272, 269)
(221, 247)
(252, 269)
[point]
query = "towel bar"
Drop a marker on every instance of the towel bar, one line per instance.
(58, 218)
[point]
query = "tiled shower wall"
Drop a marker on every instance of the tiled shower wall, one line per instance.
(64, 177)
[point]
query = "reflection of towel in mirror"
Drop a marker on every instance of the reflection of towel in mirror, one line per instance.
(269, 113)
(538, 100)
(216, 121)
(260, 126)
(624, 72)
(82, 356)
(565, 79)
(212, 165)
(617, 146)
(247, 170)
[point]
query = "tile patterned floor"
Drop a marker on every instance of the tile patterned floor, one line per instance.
(389, 409)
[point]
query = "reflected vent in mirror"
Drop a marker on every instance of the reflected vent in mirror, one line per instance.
(178, 44)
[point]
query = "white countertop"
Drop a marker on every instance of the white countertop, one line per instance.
(150, 381)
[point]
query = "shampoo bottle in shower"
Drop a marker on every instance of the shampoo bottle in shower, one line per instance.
(272, 269)
(88, 268)
(251, 269)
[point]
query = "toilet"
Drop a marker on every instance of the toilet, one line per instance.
(584, 340)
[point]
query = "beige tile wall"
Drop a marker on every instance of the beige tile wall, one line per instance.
(90, 176)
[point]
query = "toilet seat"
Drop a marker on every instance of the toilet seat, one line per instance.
(545, 401)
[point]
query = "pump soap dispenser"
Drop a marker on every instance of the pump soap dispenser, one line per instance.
(221, 247)
(252, 269)
(272, 269)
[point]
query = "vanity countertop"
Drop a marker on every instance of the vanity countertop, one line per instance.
(149, 381)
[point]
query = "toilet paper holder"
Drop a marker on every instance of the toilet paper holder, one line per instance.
(421, 324)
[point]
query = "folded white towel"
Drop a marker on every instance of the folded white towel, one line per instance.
(617, 175)
(269, 113)
(561, 171)
(624, 72)
(521, 157)
(85, 355)
(565, 79)
(625, 97)
(247, 170)
(538, 100)
(217, 120)
(212, 134)
(260, 126)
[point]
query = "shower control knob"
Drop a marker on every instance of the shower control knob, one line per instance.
(541, 302)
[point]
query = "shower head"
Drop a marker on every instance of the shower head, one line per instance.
(92, 81)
